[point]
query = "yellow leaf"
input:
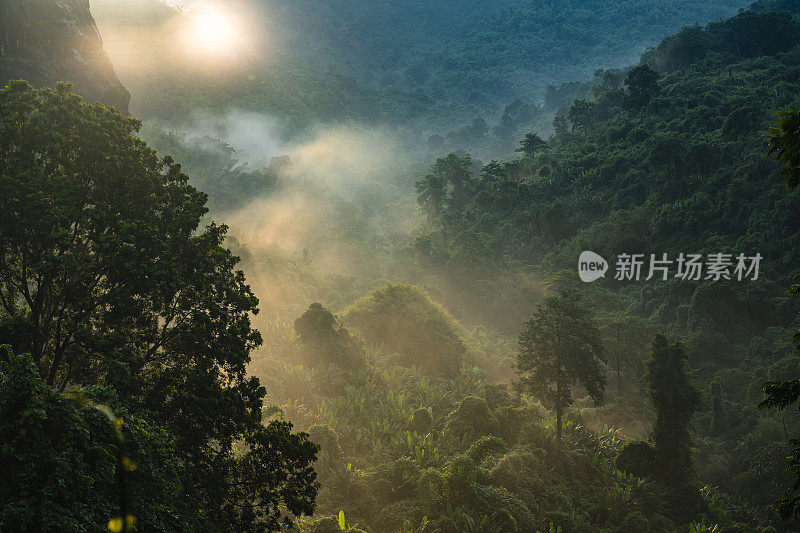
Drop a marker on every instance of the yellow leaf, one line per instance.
(115, 525)
(127, 464)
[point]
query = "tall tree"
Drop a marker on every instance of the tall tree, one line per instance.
(784, 143)
(642, 85)
(446, 187)
(581, 115)
(106, 279)
(531, 145)
(674, 400)
(456, 170)
(560, 347)
(431, 193)
(667, 456)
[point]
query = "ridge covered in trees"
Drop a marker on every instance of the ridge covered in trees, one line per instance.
(484, 389)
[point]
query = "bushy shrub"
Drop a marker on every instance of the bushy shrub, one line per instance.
(327, 341)
(403, 319)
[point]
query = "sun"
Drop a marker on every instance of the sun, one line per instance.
(211, 30)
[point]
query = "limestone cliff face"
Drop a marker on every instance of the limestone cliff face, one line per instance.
(45, 41)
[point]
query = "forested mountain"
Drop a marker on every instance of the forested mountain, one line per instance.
(291, 300)
(396, 62)
(457, 49)
(668, 158)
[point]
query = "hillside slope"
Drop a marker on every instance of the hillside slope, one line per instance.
(512, 48)
(433, 65)
(46, 41)
(667, 158)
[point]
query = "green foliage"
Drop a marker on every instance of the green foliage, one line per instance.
(531, 145)
(784, 143)
(468, 422)
(581, 115)
(421, 421)
(559, 347)
(60, 457)
(664, 155)
(215, 168)
(670, 161)
(329, 525)
(108, 280)
(642, 85)
(749, 34)
(449, 182)
(674, 400)
(403, 319)
(684, 172)
(483, 458)
(637, 458)
(327, 340)
(504, 49)
(667, 458)
(673, 174)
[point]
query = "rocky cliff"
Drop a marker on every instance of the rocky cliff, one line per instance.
(45, 41)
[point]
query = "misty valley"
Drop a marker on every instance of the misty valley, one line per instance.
(408, 266)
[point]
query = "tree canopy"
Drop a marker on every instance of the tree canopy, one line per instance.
(106, 279)
(403, 319)
(559, 348)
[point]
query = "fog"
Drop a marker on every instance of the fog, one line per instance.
(408, 215)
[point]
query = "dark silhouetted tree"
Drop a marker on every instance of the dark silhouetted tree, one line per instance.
(532, 144)
(667, 456)
(108, 280)
(674, 400)
(642, 85)
(581, 115)
(784, 144)
(559, 347)
(446, 185)
(327, 340)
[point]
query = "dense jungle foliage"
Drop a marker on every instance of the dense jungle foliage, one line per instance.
(497, 50)
(114, 298)
(666, 157)
(410, 350)
(398, 62)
